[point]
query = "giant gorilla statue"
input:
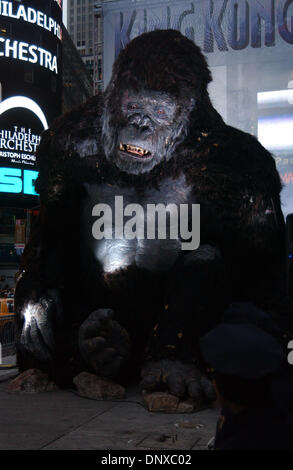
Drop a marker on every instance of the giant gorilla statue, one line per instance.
(118, 307)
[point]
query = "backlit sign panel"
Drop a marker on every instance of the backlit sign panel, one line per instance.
(30, 91)
(248, 46)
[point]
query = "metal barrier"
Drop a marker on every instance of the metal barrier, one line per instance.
(7, 329)
(7, 334)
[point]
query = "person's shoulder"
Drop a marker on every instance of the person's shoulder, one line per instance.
(254, 430)
(70, 151)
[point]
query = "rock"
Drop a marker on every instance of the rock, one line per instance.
(187, 406)
(161, 401)
(91, 386)
(167, 403)
(31, 381)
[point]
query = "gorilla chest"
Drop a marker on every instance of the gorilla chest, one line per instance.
(121, 227)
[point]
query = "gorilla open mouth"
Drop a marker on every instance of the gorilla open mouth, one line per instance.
(135, 151)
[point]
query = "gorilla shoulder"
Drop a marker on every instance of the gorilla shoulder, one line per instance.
(68, 147)
(76, 133)
(244, 154)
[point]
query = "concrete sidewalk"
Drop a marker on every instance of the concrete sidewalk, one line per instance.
(64, 420)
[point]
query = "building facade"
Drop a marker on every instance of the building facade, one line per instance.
(31, 75)
(85, 27)
(80, 25)
(77, 80)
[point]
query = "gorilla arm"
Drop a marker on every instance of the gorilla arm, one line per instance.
(240, 257)
(37, 298)
(259, 264)
(48, 256)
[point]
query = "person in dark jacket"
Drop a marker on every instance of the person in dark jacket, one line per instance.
(251, 378)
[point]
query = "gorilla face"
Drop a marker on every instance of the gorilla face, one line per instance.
(153, 124)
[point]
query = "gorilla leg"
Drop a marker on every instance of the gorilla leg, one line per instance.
(195, 299)
(104, 344)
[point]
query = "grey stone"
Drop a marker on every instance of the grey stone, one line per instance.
(167, 403)
(187, 406)
(161, 401)
(31, 381)
(91, 386)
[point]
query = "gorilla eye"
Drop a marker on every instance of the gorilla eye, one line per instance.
(161, 112)
(132, 106)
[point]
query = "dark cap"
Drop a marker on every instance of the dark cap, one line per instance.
(242, 350)
(247, 312)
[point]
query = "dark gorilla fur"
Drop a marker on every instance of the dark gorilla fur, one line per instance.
(158, 314)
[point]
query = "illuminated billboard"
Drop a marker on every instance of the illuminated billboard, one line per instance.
(248, 45)
(30, 91)
(275, 124)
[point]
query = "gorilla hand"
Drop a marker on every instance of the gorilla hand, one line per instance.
(38, 316)
(104, 344)
(178, 378)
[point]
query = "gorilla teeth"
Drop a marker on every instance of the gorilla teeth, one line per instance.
(132, 149)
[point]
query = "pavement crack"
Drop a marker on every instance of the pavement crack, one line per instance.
(76, 427)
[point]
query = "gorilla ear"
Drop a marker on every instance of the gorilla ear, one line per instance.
(189, 104)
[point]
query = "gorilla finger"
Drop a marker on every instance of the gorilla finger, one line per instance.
(111, 369)
(54, 294)
(33, 343)
(106, 355)
(176, 385)
(94, 344)
(102, 314)
(123, 348)
(115, 332)
(194, 389)
(25, 337)
(150, 382)
(119, 362)
(89, 329)
(151, 369)
(45, 330)
(208, 389)
(45, 352)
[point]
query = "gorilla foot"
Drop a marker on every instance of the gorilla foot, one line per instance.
(31, 381)
(178, 381)
(104, 344)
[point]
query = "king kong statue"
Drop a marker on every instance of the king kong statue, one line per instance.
(122, 307)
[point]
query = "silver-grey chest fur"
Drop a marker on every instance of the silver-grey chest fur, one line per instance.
(115, 253)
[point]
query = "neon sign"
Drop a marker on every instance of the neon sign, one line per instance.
(15, 180)
(28, 52)
(30, 15)
(31, 83)
(24, 102)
